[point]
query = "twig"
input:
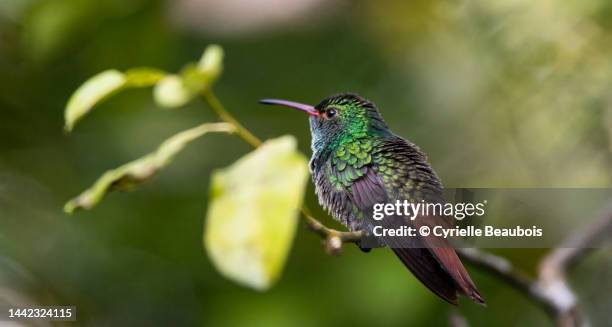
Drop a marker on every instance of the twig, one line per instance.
(504, 270)
(333, 239)
(573, 248)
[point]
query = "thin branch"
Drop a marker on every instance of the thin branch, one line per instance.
(577, 246)
(504, 270)
(333, 239)
(324, 231)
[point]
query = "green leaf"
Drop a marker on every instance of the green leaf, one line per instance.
(211, 62)
(103, 85)
(253, 213)
(90, 93)
(170, 92)
(177, 90)
(135, 172)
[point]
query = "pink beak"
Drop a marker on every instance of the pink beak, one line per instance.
(295, 105)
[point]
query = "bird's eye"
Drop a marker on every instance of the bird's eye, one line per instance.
(331, 113)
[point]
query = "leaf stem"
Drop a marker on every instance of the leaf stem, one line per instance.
(219, 109)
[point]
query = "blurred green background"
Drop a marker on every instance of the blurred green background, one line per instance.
(498, 93)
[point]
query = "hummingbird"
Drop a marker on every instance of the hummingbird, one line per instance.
(357, 162)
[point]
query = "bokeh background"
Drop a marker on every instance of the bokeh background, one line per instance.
(498, 93)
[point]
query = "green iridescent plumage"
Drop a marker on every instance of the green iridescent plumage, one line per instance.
(354, 142)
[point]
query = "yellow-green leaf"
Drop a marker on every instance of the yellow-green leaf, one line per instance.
(211, 62)
(253, 213)
(90, 93)
(171, 92)
(102, 86)
(135, 172)
(177, 90)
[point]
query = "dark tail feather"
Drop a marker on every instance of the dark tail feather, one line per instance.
(441, 271)
(448, 259)
(427, 270)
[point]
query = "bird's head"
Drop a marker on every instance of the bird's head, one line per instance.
(339, 118)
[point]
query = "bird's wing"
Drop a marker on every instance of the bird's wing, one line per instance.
(398, 170)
